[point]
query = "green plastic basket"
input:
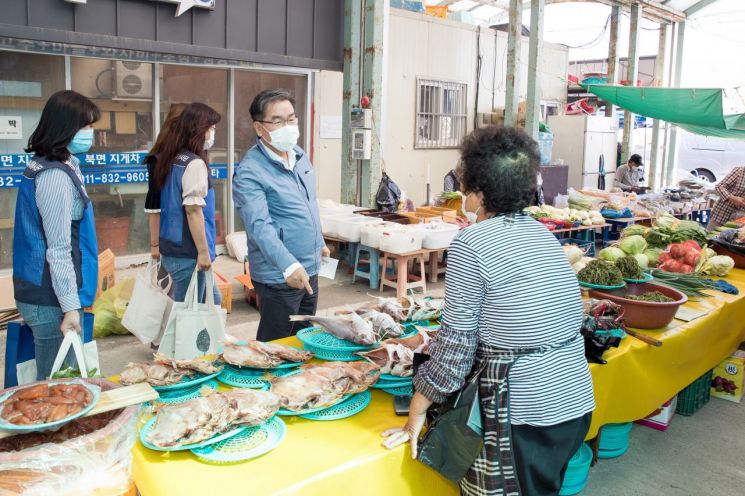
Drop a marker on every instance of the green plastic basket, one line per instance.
(695, 395)
(399, 390)
(248, 444)
(185, 394)
(346, 408)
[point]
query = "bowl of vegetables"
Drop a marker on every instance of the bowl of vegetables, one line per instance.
(646, 305)
(599, 274)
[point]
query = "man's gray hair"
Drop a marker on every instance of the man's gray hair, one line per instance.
(263, 99)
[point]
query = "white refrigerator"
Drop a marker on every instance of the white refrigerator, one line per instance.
(588, 145)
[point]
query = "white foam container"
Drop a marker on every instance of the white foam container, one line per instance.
(439, 235)
(401, 241)
(329, 223)
(370, 233)
(348, 228)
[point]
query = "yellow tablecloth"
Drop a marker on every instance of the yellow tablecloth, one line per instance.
(345, 456)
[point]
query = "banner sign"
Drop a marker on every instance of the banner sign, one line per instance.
(181, 5)
(97, 168)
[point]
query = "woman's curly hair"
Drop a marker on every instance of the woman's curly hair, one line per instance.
(501, 163)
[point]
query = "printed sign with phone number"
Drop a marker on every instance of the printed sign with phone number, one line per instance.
(97, 168)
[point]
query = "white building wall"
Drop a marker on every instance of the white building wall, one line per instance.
(425, 46)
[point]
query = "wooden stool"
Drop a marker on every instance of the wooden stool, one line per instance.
(402, 277)
(435, 266)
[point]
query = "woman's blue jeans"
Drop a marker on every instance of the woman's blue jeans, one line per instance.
(181, 270)
(44, 322)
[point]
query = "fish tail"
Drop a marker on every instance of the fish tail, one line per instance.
(301, 318)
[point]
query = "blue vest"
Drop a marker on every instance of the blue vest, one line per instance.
(32, 281)
(175, 236)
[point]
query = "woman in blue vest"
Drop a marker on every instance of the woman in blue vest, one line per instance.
(55, 254)
(187, 199)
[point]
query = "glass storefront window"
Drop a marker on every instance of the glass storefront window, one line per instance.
(183, 84)
(26, 82)
(115, 179)
(247, 86)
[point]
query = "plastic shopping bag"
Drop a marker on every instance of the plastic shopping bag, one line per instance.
(109, 309)
(194, 329)
(146, 312)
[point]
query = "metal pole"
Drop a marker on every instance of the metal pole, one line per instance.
(514, 45)
(655, 164)
(533, 111)
(632, 73)
(673, 148)
(350, 96)
(615, 14)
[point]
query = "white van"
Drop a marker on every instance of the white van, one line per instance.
(711, 158)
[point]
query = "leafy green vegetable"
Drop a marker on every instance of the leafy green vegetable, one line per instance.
(642, 260)
(689, 284)
(634, 230)
(633, 245)
(718, 265)
(629, 268)
(651, 296)
(653, 254)
(658, 238)
(601, 273)
(70, 372)
(611, 254)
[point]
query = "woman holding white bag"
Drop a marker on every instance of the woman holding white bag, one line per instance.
(187, 200)
(55, 253)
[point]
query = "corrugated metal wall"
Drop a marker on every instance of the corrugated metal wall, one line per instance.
(301, 33)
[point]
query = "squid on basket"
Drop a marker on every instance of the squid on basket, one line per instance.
(396, 356)
(201, 418)
(261, 355)
(318, 386)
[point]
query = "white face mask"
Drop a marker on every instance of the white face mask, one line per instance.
(471, 217)
(285, 138)
(209, 141)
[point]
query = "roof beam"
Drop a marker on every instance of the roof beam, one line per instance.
(701, 4)
(652, 10)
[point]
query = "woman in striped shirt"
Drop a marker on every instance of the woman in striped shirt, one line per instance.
(513, 306)
(55, 253)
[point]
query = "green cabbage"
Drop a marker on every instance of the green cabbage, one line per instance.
(634, 230)
(611, 254)
(633, 245)
(719, 265)
(653, 254)
(642, 259)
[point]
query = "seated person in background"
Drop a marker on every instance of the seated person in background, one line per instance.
(627, 175)
(452, 182)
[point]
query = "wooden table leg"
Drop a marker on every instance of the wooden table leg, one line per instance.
(434, 264)
(403, 276)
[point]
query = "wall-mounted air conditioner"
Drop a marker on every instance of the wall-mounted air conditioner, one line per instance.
(134, 80)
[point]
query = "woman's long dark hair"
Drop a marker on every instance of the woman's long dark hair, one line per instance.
(167, 129)
(188, 135)
(65, 113)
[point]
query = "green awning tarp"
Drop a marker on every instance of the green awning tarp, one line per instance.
(707, 111)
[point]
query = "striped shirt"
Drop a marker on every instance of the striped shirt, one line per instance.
(59, 203)
(509, 284)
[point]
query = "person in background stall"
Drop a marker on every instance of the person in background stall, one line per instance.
(731, 204)
(627, 175)
(55, 252)
(187, 200)
(152, 200)
(274, 187)
(452, 182)
(517, 316)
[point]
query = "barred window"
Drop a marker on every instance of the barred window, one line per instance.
(440, 113)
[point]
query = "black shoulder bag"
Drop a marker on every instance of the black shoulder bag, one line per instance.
(454, 437)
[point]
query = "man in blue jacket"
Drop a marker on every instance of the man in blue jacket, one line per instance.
(274, 188)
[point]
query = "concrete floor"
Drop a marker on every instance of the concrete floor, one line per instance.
(699, 455)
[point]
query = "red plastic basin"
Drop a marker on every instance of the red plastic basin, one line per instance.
(644, 314)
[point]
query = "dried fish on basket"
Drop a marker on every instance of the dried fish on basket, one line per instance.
(261, 355)
(396, 356)
(349, 327)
